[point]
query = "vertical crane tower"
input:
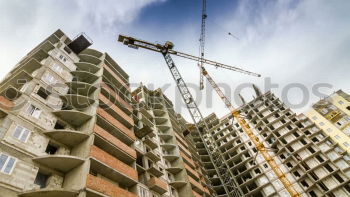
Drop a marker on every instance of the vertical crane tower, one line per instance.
(202, 43)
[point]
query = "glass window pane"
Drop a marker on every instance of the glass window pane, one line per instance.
(3, 159)
(17, 132)
(9, 165)
(30, 109)
(24, 135)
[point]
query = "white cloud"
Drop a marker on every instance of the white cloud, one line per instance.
(24, 24)
(290, 41)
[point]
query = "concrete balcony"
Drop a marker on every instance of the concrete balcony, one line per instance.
(115, 111)
(143, 131)
(50, 193)
(155, 171)
(150, 142)
(163, 128)
(98, 187)
(157, 185)
(81, 88)
(160, 120)
(177, 183)
(158, 112)
(62, 163)
(28, 66)
(86, 66)
(77, 101)
(165, 136)
(152, 155)
(145, 111)
(89, 58)
(85, 76)
(67, 137)
(174, 170)
(168, 146)
(146, 121)
(114, 127)
(170, 156)
(112, 168)
(92, 52)
(15, 82)
(113, 145)
(73, 117)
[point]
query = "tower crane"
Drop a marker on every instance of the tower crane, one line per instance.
(225, 175)
(202, 43)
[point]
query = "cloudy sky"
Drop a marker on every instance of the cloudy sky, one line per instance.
(296, 45)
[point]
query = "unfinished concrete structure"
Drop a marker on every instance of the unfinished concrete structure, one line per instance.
(69, 126)
(163, 154)
(332, 114)
(311, 160)
(70, 129)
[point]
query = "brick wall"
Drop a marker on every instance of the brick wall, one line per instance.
(116, 123)
(107, 188)
(113, 162)
(109, 137)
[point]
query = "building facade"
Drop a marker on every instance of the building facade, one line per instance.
(70, 127)
(164, 148)
(332, 114)
(313, 162)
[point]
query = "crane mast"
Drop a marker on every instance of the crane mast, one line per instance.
(215, 155)
(202, 43)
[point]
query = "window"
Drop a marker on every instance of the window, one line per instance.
(347, 130)
(41, 179)
(324, 111)
(34, 111)
(57, 68)
(143, 192)
(51, 149)
(314, 118)
(43, 93)
(321, 123)
(62, 58)
(59, 125)
(21, 133)
(337, 137)
(329, 130)
(340, 102)
(7, 163)
(67, 49)
(346, 144)
(49, 79)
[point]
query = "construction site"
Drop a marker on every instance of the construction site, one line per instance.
(71, 125)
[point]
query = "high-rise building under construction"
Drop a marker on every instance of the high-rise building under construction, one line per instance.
(313, 162)
(71, 126)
